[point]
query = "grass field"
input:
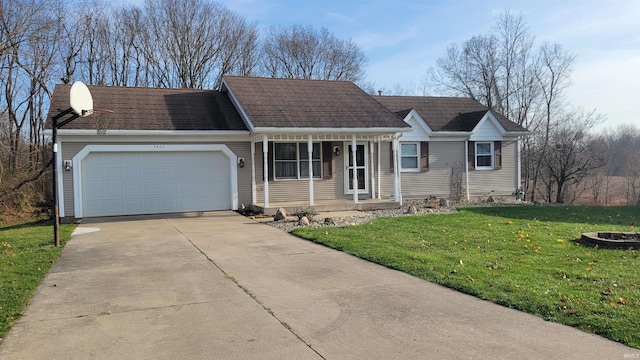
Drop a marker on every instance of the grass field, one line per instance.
(525, 258)
(26, 254)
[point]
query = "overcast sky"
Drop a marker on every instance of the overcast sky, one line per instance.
(403, 38)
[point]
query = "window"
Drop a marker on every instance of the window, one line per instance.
(484, 155)
(291, 161)
(409, 157)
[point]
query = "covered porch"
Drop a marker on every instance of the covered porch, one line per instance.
(349, 171)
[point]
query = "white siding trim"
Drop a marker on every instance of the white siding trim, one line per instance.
(77, 165)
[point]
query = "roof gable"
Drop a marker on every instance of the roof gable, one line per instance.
(420, 131)
(138, 108)
(296, 103)
(488, 129)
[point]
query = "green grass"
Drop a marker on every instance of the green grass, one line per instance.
(526, 258)
(26, 254)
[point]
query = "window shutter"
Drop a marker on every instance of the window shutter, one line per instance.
(270, 160)
(327, 154)
(424, 156)
(497, 155)
(391, 159)
(471, 161)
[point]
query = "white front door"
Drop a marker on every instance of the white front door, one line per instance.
(358, 167)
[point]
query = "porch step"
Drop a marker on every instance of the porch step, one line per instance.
(364, 206)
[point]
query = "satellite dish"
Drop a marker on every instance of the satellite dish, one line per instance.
(80, 99)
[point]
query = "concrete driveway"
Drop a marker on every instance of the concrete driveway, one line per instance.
(220, 286)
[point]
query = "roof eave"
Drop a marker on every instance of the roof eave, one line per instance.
(302, 130)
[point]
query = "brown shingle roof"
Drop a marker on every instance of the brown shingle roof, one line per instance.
(294, 103)
(138, 108)
(446, 113)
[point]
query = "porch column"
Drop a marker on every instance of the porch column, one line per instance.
(379, 171)
(396, 170)
(373, 172)
(310, 153)
(265, 153)
(253, 173)
(354, 149)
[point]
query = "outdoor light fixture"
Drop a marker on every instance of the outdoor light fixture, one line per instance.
(336, 150)
(67, 165)
(241, 162)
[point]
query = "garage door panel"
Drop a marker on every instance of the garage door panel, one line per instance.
(128, 183)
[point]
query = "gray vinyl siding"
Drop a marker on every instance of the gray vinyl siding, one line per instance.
(443, 156)
(497, 182)
(241, 149)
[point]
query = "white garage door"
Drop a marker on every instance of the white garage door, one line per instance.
(129, 183)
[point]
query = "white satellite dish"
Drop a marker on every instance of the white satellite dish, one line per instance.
(80, 99)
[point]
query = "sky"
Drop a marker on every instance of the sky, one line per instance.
(402, 39)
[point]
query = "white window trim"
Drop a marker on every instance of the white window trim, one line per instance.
(298, 160)
(417, 168)
(491, 153)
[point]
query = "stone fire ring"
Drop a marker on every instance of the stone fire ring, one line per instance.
(618, 240)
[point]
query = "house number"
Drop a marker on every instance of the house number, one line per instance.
(158, 147)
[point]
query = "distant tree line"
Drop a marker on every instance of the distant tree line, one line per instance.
(194, 43)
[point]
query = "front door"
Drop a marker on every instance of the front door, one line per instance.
(359, 167)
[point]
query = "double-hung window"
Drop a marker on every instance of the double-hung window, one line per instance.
(410, 157)
(291, 161)
(484, 155)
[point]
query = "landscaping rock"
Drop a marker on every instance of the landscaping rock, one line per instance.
(329, 221)
(412, 210)
(444, 202)
(281, 214)
(304, 221)
(490, 199)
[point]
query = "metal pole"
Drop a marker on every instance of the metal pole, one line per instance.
(54, 162)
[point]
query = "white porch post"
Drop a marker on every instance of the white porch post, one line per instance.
(373, 172)
(379, 171)
(253, 173)
(354, 149)
(466, 168)
(265, 153)
(396, 171)
(310, 153)
(519, 179)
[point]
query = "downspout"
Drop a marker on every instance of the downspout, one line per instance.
(519, 183)
(466, 168)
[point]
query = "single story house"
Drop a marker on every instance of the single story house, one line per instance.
(270, 143)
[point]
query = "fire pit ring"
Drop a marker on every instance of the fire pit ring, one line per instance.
(612, 239)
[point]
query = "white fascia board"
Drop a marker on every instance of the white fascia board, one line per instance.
(277, 130)
(236, 104)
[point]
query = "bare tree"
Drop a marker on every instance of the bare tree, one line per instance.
(306, 53)
(573, 153)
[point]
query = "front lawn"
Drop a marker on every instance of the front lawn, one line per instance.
(26, 254)
(525, 258)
